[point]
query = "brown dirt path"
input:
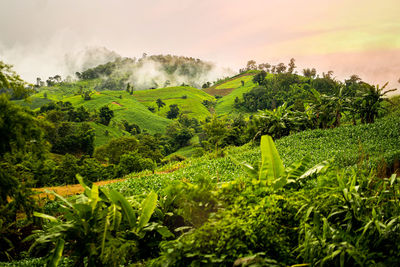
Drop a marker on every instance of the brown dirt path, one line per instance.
(116, 103)
(74, 189)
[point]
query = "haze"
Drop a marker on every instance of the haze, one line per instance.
(349, 37)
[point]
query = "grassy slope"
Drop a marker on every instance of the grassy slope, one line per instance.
(191, 106)
(60, 91)
(235, 83)
(378, 141)
(225, 105)
(125, 108)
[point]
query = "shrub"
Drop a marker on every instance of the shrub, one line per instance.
(133, 162)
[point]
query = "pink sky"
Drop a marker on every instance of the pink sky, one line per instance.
(348, 37)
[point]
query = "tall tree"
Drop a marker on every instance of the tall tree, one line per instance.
(291, 65)
(251, 65)
(160, 103)
(173, 111)
(105, 115)
(280, 68)
(310, 73)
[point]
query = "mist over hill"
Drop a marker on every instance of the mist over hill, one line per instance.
(154, 71)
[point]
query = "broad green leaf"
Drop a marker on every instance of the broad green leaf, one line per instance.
(94, 196)
(165, 232)
(104, 235)
(320, 167)
(56, 257)
(271, 163)
(148, 206)
(392, 179)
(127, 208)
(45, 216)
(87, 188)
(115, 217)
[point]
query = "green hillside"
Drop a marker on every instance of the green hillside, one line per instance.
(225, 104)
(66, 89)
(125, 107)
(188, 99)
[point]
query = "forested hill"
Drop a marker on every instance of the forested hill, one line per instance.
(150, 72)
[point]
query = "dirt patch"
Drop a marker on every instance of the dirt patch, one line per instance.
(74, 189)
(116, 103)
(222, 92)
(226, 91)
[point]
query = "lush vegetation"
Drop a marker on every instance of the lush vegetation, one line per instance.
(200, 188)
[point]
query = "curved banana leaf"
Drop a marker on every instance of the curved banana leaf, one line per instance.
(148, 206)
(58, 251)
(45, 216)
(126, 207)
(271, 164)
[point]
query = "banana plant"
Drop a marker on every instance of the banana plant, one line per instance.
(95, 225)
(272, 171)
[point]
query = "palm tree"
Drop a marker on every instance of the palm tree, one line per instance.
(278, 122)
(160, 103)
(370, 99)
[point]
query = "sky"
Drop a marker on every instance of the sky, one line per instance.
(347, 36)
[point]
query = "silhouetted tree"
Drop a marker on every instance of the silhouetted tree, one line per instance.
(280, 68)
(251, 65)
(309, 73)
(173, 111)
(160, 103)
(105, 115)
(291, 65)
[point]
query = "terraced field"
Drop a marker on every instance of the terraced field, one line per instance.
(125, 107)
(188, 99)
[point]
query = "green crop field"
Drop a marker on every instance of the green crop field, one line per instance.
(348, 145)
(191, 105)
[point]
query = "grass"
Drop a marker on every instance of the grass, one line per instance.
(191, 106)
